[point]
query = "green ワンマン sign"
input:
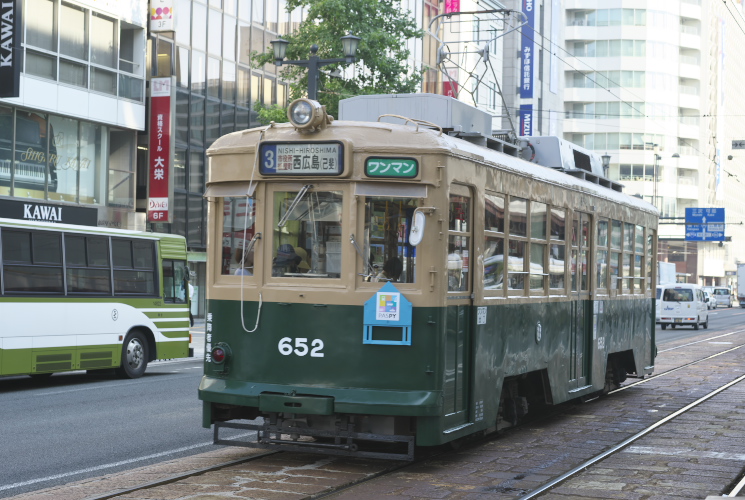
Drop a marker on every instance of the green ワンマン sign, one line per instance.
(404, 168)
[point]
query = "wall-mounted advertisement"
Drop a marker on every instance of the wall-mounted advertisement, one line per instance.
(161, 15)
(527, 51)
(10, 48)
(526, 120)
(160, 195)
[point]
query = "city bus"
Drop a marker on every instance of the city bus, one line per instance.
(90, 298)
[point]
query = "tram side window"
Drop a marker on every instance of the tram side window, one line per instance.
(538, 247)
(175, 281)
(32, 261)
(602, 256)
(493, 256)
(615, 253)
(386, 251)
(134, 272)
(516, 249)
(459, 243)
(87, 264)
(557, 250)
(638, 256)
(238, 227)
(650, 257)
(628, 256)
(308, 244)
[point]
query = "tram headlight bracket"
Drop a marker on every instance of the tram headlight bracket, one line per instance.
(307, 115)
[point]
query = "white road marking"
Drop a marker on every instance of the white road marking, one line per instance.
(111, 465)
(686, 452)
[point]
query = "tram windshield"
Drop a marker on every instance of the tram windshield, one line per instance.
(307, 234)
(388, 255)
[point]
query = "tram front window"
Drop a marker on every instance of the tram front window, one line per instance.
(307, 234)
(387, 254)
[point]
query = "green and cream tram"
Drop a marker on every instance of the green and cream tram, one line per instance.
(358, 292)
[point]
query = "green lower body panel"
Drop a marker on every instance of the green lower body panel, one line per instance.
(448, 383)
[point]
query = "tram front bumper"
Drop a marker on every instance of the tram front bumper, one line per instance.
(321, 400)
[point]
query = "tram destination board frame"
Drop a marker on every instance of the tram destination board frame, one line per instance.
(301, 158)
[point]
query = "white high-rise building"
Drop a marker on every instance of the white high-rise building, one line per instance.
(649, 84)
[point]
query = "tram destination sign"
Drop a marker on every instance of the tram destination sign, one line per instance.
(705, 224)
(301, 158)
(401, 168)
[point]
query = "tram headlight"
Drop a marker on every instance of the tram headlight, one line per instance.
(307, 114)
(219, 353)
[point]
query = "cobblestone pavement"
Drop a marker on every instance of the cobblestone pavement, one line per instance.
(697, 454)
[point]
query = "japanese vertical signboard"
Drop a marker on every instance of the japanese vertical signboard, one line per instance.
(526, 52)
(526, 119)
(10, 48)
(161, 153)
(161, 15)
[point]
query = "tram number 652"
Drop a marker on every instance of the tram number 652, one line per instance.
(301, 347)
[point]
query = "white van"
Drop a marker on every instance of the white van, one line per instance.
(722, 295)
(682, 304)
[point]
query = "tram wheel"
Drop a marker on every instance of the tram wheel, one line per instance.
(134, 356)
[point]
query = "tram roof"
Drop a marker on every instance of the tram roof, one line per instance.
(378, 137)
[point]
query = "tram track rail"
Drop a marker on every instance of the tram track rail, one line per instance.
(400, 466)
(625, 443)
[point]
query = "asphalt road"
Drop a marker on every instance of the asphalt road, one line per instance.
(720, 320)
(75, 425)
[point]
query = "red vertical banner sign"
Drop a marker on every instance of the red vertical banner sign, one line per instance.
(161, 155)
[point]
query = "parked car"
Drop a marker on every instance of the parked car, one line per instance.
(710, 300)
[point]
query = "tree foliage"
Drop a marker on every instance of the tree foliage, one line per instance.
(382, 57)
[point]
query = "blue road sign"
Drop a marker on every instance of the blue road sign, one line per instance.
(705, 224)
(704, 215)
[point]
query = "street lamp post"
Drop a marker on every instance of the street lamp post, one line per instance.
(654, 188)
(349, 42)
(606, 164)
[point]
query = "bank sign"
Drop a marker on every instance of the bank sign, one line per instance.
(10, 48)
(527, 51)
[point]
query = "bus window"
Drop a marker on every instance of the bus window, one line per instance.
(308, 242)
(131, 274)
(175, 281)
(32, 262)
(387, 222)
(87, 263)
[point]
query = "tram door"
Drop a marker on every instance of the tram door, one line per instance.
(457, 357)
(581, 314)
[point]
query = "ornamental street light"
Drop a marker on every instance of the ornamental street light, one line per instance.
(349, 43)
(606, 164)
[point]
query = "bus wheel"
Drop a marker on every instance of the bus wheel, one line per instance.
(134, 356)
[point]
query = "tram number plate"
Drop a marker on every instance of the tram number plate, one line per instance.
(299, 347)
